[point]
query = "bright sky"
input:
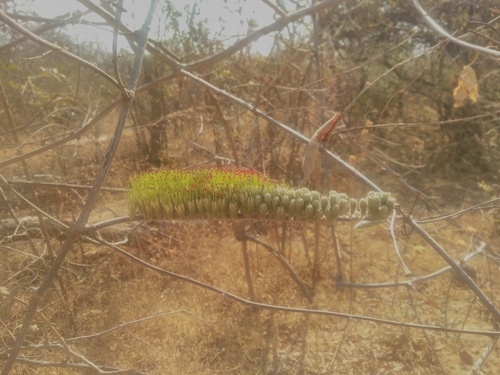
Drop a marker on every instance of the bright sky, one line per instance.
(219, 18)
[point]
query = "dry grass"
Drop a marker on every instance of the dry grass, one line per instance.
(162, 325)
(208, 334)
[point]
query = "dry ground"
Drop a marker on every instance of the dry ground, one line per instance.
(116, 312)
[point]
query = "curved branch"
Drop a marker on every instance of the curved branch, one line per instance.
(53, 47)
(435, 26)
(284, 127)
(266, 306)
(454, 265)
(65, 20)
(78, 228)
(250, 38)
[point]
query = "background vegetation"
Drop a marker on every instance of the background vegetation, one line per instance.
(86, 289)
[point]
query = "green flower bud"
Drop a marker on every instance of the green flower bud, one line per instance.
(332, 199)
(309, 212)
(307, 198)
(233, 210)
(292, 208)
(280, 213)
(383, 198)
(328, 213)
(324, 202)
(258, 200)
(352, 206)
(284, 201)
(315, 195)
(275, 202)
(243, 199)
(382, 212)
(251, 208)
(318, 215)
(390, 203)
(263, 210)
(277, 192)
(316, 204)
(335, 212)
(268, 199)
(363, 205)
(343, 204)
(373, 205)
(299, 206)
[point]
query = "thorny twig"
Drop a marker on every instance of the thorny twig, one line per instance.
(435, 26)
(266, 306)
(57, 49)
(75, 230)
(476, 368)
(454, 265)
(302, 286)
(396, 247)
(412, 282)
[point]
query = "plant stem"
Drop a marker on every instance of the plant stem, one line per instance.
(454, 265)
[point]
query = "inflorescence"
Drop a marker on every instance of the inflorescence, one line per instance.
(243, 193)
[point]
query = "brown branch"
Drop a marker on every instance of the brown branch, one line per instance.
(282, 126)
(411, 283)
(454, 265)
(78, 366)
(240, 44)
(53, 47)
(79, 226)
(435, 26)
(296, 310)
(75, 16)
(302, 286)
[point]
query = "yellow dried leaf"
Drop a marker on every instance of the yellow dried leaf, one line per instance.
(363, 134)
(466, 88)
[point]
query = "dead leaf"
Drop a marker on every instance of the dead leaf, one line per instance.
(466, 358)
(467, 87)
(312, 150)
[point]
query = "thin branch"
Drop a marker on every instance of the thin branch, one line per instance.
(302, 286)
(276, 8)
(252, 37)
(78, 366)
(464, 120)
(284, 127)
(53, 47)
(476, 368)
(412, 282)
(119, 11)
(240, 44)
(457, 213)
(72, 18)
(64, 140)
(454, 265)
(396, 247)
(435, 26)
(62, 185)
(76, 229)
(266, 306)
